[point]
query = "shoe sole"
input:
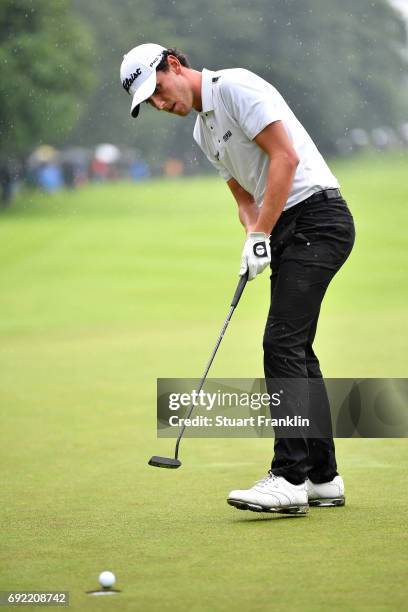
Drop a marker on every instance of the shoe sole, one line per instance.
(323, 502)
(295, 510)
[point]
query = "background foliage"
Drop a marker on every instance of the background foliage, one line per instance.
(45, 72)
(339, 64)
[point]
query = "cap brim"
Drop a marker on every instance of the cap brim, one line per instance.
(143, 93)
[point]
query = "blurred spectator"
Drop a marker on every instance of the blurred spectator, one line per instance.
(360, 138)
(43, 169)
(384, 138)
(173, 168)
(99, 170)
(6, 182)
(104, 164)
(75, 163)
(68, 173)
(50, 177)
(139, 170)
(404, 133)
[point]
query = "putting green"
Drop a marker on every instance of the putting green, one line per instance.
(106, 289)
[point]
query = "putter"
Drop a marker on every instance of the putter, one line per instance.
(174, 462)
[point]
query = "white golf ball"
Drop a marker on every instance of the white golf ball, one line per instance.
(107, 579)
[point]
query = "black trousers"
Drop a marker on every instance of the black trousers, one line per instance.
(309, 244)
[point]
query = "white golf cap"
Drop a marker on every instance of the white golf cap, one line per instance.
(138, 73)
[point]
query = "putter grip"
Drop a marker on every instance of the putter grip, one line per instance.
(240, 288)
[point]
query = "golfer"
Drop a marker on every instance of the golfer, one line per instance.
(296, 222)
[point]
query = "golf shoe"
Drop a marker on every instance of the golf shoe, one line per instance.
(271, 494)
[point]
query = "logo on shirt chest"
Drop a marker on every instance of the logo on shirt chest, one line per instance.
(227, 136)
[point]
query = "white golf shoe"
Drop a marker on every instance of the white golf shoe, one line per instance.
(271, 494)
(326, 494)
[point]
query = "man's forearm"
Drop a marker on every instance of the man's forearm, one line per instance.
(248, 213)
(279, 183)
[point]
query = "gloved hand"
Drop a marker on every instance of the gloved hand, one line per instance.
(256, 255)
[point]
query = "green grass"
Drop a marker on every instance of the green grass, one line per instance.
(110, 287)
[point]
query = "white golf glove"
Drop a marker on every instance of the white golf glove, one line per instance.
(256, 255)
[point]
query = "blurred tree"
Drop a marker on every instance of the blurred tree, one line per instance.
(339, 64)
(118, 26)
(45, 72)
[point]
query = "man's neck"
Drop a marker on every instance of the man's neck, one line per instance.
(195, 78)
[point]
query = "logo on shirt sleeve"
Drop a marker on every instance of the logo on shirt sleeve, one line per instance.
(227, 136)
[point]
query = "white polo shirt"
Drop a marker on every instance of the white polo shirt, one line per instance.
(237, 105)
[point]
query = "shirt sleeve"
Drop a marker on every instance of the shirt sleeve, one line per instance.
(250, 101)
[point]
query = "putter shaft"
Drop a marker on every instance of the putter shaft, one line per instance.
(166, 462)
(234, 303)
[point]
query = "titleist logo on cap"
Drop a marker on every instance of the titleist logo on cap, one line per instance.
(127, 83)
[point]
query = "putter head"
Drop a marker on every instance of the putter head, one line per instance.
(165, 462)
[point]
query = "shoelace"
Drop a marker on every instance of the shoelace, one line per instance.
(266, 480)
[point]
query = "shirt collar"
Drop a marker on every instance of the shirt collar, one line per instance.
(207, 90)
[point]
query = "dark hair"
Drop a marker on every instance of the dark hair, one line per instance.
(182, 58)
